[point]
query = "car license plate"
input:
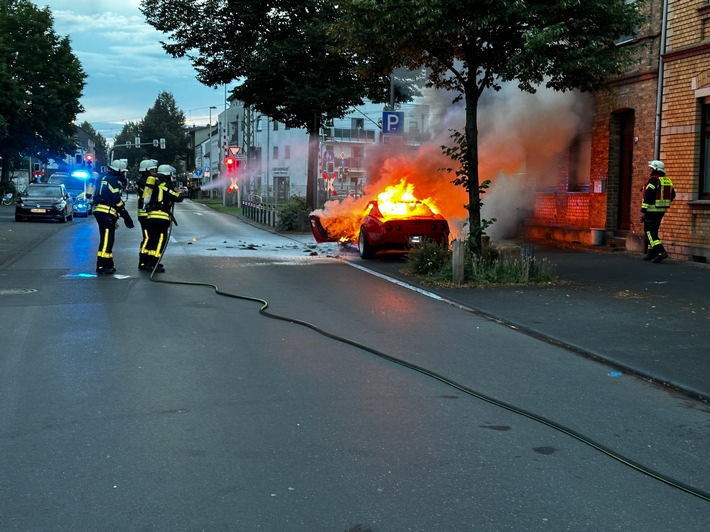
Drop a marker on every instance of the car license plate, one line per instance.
(415, 239)
(38, 210)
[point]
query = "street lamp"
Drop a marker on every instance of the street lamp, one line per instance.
(212, 107)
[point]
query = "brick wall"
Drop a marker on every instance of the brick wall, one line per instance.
(686, 227)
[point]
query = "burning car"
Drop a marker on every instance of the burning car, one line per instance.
(391, 222)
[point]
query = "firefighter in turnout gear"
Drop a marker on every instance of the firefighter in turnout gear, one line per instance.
(144, 188)
(657, 197)
(108, 206)
(159, 215)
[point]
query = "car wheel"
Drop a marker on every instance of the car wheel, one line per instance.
(71, 216)
(63, 217)
(363, 245)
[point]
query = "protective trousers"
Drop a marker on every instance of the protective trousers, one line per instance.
(107, 234)
(143, 256)
(651, 225)
(157, 240)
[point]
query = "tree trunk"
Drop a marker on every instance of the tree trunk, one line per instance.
(472, 95)
(312, 174)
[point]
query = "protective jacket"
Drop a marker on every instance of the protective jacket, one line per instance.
(144, 189)
(108, 197)
(658, 194)
(163, 196)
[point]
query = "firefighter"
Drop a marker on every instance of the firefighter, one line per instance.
(147, 171)
(159, 215)
(108, 206)
(657, 197)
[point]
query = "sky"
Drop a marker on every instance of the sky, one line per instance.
(126, 66)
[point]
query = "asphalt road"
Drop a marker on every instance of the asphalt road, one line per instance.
(127, 404)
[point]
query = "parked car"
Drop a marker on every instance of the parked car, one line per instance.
(78, 184)
(44, 201)
(406, 223)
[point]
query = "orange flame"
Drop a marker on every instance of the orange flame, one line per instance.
(399, 200)
(341, 219)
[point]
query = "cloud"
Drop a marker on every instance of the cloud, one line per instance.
(125, 64)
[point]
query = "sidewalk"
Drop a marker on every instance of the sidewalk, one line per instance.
(649, 319)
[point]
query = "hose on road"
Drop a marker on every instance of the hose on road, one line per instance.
(445, 380)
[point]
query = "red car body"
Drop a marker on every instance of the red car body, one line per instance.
(378, 232)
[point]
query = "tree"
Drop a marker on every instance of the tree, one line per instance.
(164, 120)
(280, 51)
(469, 46)
(42, 81)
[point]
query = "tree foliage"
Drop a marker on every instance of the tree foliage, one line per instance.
(164, 120)
(469, 46)
(287, 65)
(42, 81)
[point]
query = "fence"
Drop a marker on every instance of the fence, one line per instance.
(263, 213)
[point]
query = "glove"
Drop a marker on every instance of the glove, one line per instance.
(127, 220)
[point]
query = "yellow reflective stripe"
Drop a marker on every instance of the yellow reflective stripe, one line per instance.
(102, 250)
(102, 207)
(158, 215)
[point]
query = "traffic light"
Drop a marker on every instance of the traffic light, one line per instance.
(229, 164)
(89, 160)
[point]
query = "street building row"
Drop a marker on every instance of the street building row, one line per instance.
(659, 108)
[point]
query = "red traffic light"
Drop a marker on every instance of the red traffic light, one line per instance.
(89, 157)
(229, 162)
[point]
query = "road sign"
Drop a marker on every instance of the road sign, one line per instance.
(393, 122)
(328, 155)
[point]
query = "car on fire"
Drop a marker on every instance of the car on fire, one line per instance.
(44, 201)
(404, 224)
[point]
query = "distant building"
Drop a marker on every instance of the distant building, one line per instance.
(274, 158)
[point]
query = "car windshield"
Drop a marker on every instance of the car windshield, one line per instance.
(71, 183)
(43, 192)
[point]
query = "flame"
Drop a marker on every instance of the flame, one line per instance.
(341, 219)
(399, 200)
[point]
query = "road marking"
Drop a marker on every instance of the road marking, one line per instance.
(16, 291)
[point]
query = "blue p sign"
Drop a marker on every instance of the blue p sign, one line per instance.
(392, 122)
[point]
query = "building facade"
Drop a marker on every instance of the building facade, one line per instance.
(273, 159)
(658, 109)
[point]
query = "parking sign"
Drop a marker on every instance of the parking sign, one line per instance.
(392, 122)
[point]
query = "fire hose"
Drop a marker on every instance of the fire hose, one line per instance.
(645, 470)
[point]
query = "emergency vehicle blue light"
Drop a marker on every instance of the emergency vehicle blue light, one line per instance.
(81, 174)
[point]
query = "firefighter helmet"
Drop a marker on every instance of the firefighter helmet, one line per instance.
(165, 169)
(118, 166)
(658, 166)
(147, 165)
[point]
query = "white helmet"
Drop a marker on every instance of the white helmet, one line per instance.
(118, 166)
(165, 169)
(147, 165)
(658, 166)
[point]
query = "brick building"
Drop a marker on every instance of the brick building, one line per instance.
(658, 109)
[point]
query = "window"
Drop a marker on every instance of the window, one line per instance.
(704, 185)
(580, 161)
(276, 125)
(287, 152)
(623, 39)
(357, 123)
(357, 157)
(275, 152)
